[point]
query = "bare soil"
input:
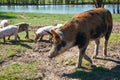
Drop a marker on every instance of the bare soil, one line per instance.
(60, 67)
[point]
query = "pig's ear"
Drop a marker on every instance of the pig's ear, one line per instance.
(55, 35)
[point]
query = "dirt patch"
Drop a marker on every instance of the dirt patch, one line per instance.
(116, 27)
(58, 69)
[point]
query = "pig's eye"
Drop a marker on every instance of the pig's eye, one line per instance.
(63, 43)
(60, 45)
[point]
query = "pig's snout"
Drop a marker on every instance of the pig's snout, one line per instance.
(50, 56)
(53, 52)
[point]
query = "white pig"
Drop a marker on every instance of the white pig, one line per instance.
(44, 31)
(4, 23)
(8, 31)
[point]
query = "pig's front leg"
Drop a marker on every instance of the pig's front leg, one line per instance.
(81, 55)
(4, 39)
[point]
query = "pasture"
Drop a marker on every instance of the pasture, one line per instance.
(27, 60)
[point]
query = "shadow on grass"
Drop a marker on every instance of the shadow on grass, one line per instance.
(46, 41)
(97, 73)
(4, 15)
(21, 42)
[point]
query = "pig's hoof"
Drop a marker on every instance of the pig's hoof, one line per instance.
(79, 66)
(94, 57)
(104, 56)
(93, 66)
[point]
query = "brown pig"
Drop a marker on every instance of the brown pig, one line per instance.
(22, 27)
(80, 30)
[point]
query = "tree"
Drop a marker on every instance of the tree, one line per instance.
(41, 1)
(118, 10)
(54, 1)
(67, 1)
(8, 2)
(60, 1)
(98, 3)
(72, 1)
(82, 1)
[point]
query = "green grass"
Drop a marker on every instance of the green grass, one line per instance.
(11, 49)
(40, 19)
(25, 71)
(68, 61)
(37, 19)
(114, 40)
(18, 70)
(116, 17)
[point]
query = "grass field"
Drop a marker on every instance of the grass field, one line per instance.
(38, 19)
(28, 71)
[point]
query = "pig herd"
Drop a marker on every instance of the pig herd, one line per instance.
(78, 31)
(9, 30)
